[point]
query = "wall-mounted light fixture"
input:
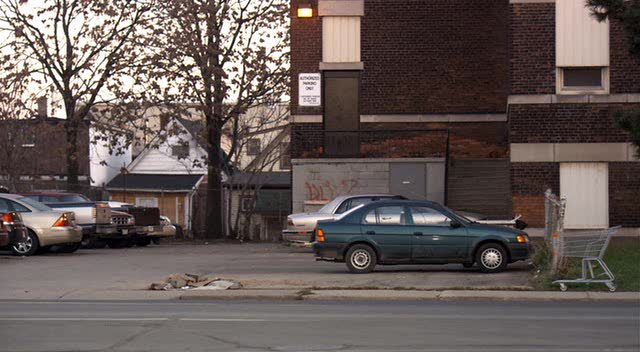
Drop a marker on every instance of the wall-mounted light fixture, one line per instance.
(305, 9)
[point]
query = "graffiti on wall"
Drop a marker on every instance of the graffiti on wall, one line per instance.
(327, 190)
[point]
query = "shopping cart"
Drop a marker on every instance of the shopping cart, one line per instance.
(590, 246)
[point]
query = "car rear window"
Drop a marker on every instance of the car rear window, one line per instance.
(34, 204)
(72, 198)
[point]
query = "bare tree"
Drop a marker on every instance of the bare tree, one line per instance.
(16, 108)
(264, 129)
(222, 57)
(82, 49)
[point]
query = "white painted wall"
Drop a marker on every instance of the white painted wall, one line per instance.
(586, 188)
(158, 159)
(341, 39)
(580, 39)
(104, 165)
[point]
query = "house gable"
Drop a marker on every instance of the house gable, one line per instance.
(160, 158)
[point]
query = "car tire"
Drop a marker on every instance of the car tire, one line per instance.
(361, 259)
(143, 242)
(491, 258)
(116, 244)
(27, 248)
(155, 240)
(70, 247)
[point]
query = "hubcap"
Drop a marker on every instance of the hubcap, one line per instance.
(24, 247)
(360, 259)
(491, 258)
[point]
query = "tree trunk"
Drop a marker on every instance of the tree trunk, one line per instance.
(71, 127)
(214, 220)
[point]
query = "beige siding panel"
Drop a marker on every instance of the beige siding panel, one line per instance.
(586, 188)
(580, 39)
(341, 39)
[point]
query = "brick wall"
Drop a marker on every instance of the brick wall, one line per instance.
(625, 67)
(565, 123)
(439, 56)
(48, 155)
(306, 52)
(529, 181)
(532, 48)
(468, 140)
(624, 189)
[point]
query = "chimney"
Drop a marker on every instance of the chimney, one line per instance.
(43, 107)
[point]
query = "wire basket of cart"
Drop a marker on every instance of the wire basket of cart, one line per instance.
(590, 247)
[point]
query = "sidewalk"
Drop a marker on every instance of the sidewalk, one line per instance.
(338, 295)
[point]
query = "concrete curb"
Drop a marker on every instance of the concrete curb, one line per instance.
(411, 295)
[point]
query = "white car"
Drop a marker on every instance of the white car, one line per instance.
(46, 227)
(300, 226)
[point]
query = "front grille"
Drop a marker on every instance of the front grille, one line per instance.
(120, 220)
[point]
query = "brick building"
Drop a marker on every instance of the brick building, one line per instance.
(403, 85)
(568, 75)
(479, 104)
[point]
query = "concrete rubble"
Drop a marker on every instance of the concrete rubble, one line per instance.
(194, 282)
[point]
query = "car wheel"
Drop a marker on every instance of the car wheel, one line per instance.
(70, 247)
(143, 242)
(29, 247)
(491, 258)
(361, 259)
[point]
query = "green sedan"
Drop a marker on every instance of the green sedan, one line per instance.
(415, 232)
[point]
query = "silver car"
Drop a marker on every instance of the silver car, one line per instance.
(300, 226)
(46, 227)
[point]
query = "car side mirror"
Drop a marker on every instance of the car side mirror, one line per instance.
(455, 224)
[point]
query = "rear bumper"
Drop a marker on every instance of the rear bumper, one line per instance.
(520, 251)
(4, 239)
(157, 231)
(328, 251)
(59, 235)
(297, 236)
(17, 235)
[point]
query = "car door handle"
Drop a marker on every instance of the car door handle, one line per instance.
(370, 232)
(435, 238)
(418, 234)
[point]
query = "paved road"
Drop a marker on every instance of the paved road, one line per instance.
(304, 326)
(82, 274)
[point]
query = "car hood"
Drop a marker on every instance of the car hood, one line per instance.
(496, 228)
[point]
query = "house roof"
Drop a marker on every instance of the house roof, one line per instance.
(261, 179)
(154, 182)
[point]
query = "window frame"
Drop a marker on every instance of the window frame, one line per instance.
(584, 90)
(431, 208)
(250, 150)
(404, 210)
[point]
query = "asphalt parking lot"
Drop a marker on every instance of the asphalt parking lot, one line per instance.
(268, 266)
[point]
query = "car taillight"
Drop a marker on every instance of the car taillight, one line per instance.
(320, 235)
(9, 219)
(63, 221)
(290, 222)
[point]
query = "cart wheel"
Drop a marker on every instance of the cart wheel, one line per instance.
(563, 287)
(612, 287)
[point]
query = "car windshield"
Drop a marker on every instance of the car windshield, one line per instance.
(460, 216)
(34, 204)
(329, 207)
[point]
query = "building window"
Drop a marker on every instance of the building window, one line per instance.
(285, 156)
(247, 204)
(147, 202)
(253, 146)
(583, 80)
(180, 151)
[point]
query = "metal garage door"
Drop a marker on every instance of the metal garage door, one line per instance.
(586, 188)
